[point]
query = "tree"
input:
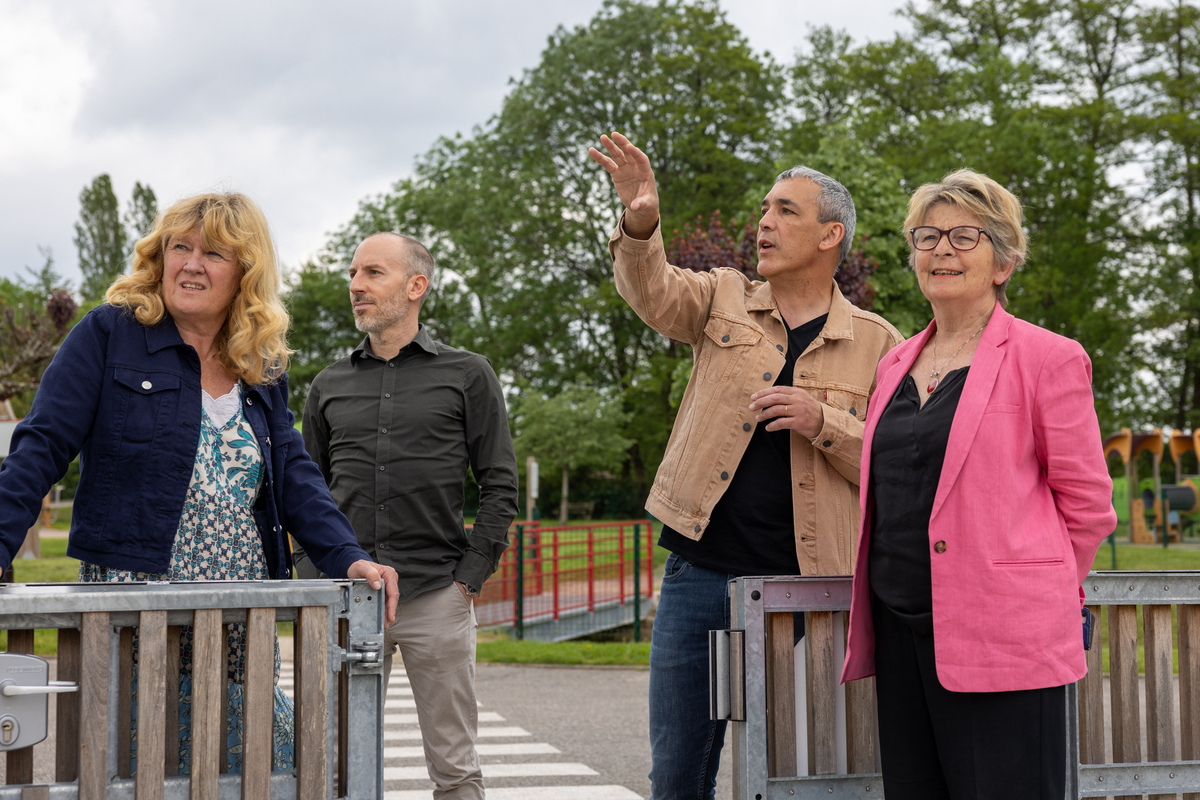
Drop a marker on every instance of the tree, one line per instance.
(32, 324)
(577, 427)
(1171, 37)
(141, 214)
(519, 217)
(100, 238)
(322, 328)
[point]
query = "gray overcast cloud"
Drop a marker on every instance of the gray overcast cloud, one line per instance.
(307, 107)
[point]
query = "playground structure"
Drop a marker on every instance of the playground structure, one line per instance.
(1155, 515)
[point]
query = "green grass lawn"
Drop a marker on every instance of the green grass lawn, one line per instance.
(498, 649)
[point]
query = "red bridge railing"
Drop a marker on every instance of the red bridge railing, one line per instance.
(551, 572)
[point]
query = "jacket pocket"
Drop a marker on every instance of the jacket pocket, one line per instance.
(142, 401)
(1028, 562)
(1001, 408)
(853, 403)
(729, 342)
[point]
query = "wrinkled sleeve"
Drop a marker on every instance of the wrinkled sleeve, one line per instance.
(494, 464)
(309, 513)
(1067, 438)
(58, 424)
(673, 301)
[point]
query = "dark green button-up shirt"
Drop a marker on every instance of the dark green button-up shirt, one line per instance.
(394, 440)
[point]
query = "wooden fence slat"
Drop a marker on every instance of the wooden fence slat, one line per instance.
(19, 763)
(152, 680)
(781, 696)
(1123, 685)
(343, 724)
(1091, 701)
(1189, 687)
(93, 706)
(208, 687)
(38, 791)
(125, 705)
(258, 704)
(823, 675)
(312, 697)
(171, 701)
(66, 745)
(1160, 694)
(860, 718)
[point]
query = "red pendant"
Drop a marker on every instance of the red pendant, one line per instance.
(933, 382)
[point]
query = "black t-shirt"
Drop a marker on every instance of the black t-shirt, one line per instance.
(751, 530)
(907, 452)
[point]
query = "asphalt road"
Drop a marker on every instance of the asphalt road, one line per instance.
(597, 716)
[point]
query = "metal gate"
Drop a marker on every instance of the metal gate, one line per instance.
(338, 664)
(753, 679)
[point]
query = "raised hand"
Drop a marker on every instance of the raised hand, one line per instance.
(634, 181)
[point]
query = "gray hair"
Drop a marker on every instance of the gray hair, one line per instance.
(834, 203)
(417, 259)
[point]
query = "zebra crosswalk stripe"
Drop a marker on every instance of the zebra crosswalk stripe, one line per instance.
(402, 727)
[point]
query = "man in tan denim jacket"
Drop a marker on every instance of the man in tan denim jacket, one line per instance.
(760, 475)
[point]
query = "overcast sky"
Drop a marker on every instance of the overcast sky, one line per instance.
(305, 106)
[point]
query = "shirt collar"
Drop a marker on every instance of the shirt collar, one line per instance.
(422, 340)
(162, 335)
(839, 325)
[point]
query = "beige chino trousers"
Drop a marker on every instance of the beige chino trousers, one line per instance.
(435, 632)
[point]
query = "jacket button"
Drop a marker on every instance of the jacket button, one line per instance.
(147, 385)
(724, 476)
(287, 573)
(939, 546)
(697, 529)
(745, 426)
(766, 376)
(725, 338)
(779, 347)
(268, 441)
(249, 401)
(827, 443)
(853, 413)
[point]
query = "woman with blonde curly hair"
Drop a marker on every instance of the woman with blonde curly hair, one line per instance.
(171, 394)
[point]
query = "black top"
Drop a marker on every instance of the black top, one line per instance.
(906, 464)
(394, 439)
(751, 530)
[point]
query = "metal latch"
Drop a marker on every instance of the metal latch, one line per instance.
(727, 675)
(365, 655)
(23, 702)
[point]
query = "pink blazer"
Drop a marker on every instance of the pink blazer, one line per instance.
(1023, 503)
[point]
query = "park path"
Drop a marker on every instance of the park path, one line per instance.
(516, 766)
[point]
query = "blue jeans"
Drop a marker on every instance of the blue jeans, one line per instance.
(685, 745)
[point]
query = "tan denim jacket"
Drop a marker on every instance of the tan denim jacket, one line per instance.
(738, 339)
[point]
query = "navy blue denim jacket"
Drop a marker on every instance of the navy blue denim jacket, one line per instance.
(126, 398)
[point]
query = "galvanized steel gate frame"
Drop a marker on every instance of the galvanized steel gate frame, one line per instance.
(349, 613)
(741, 663)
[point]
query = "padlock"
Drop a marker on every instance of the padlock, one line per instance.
(23, 702)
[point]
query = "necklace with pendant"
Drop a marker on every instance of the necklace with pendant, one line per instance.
(935, 374)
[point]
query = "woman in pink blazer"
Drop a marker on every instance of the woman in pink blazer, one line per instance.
(987, 498)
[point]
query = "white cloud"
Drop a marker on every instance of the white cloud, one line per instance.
(305, 106)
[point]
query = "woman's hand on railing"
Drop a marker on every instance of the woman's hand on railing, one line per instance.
(377, 575)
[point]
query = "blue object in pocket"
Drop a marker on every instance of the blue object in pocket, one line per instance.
(1089, 627)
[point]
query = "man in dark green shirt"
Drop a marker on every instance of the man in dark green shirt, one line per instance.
(393, 427)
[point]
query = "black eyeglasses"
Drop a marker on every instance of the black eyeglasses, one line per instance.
(961, 237)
